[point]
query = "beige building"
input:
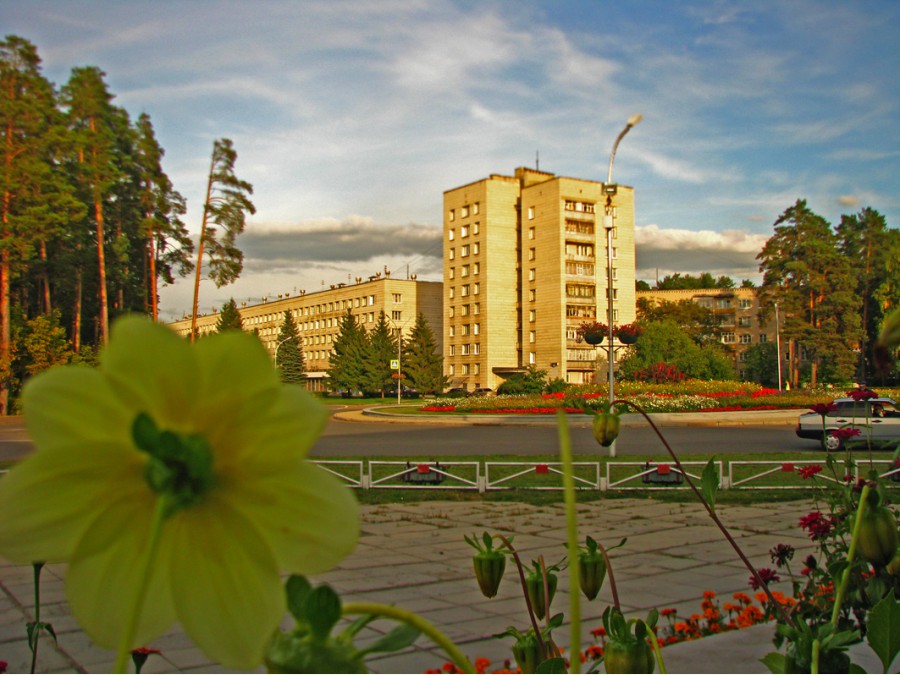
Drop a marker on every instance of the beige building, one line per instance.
(737, 316)
(525, 263)
(318, 315)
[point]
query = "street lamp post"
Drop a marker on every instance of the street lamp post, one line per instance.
(276, 350)
(610, 189)
(778, 346)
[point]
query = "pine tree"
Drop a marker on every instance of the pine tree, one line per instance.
(36, 196)
(165, 240)
(875, 251)
(288, 353)
(422, 364)
(804, 272)
(92, 119)
(226, 207)
(346, 369)
(229, 318)
(381, 349)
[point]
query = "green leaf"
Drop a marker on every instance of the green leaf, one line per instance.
(399, 638)
(323, 610)
(775, 662)
(709, 483)
(297, 588)
(883, 633)
(554, 665)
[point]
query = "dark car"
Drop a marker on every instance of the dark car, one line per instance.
(482, 391)
(456, 392)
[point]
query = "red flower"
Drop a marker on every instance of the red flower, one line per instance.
(810, 563)
(809, 471)
(781, 554)
(845, 432)
(669, 611)
(823, 408)
(817, 525)
(862, 394)
(767, 574)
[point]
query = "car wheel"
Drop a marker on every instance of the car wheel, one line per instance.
(832, 443)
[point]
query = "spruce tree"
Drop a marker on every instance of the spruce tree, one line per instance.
(229, 318)
(346, 369)
(381, 349)
(288, 353)
(423, 366)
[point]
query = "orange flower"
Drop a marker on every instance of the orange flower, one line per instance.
(709, 595)
(742, 598)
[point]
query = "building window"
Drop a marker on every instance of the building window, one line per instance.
(531, 233)
(464, 211)
(452, 350)
(476, 228)
(532, 336)
(531, 254)
(452, 312)
(464, 251)
(476, 308)
(465, 270)
(531, 315)
(763, 338)
(531, 274)
(465, 369)
(452, 253)
(728, 338)
(532, 358)
(746, 303)
(452, 217)
(531, 295)
(451, 235)
(745, 321)
(530, 213)
(476, 268)
(465, 290)
(464, 231)
(464, 310)
(452, 292)
(476, 288)
(395, 316)
(723, 303)
(452, 331)
(465, 350)
(476, 248)
(746, 339)
(452, 273)
(476, 328)
(475, 208)
(452, 370)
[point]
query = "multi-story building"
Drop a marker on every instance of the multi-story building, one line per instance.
(318, 315)
(525, 263)
(737, 314)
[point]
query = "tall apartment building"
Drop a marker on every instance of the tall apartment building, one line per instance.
(318, 315)
(525, 263)
(736, 311)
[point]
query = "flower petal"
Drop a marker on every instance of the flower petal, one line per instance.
(308, 517)
(49, 499)
(64, 405)
(225, 584)
(151, 369)
(105, 574)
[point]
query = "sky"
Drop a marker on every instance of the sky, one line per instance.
(352, 117)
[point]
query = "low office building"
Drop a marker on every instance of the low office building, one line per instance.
(318, 315)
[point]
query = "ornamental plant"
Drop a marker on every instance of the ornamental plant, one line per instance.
(172, 479)
(593, 332)
(628, 332)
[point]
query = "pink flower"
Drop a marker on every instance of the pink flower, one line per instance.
(817, 525)
(862, 394)
(823, 408)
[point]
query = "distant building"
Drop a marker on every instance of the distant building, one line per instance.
(318, 315)
(525, 263)
(737, 314)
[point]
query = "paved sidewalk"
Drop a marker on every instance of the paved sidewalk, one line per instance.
(414, 556)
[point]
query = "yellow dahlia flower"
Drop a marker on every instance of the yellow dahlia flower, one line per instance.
(172, 480)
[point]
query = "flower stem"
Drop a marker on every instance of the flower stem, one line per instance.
(712, 514)
(851, 553)
(656, 649)
(565, 450)
(416, 621)
(137, 606)
(36, 634)
(534, 625)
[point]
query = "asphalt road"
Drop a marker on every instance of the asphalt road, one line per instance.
(343, 438)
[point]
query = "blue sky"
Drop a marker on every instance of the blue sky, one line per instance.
(351, 118)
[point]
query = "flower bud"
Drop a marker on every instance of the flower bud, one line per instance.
(606, 428)
(877, 541)
(534, 585)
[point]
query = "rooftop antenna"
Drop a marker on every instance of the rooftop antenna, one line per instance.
(537, 160)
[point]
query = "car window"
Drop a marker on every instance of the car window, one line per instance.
(849, 409)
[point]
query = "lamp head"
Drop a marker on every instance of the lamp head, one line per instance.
(634, 120)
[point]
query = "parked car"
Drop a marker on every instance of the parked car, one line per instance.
(876, 418)
(482, 391)
(456, 392)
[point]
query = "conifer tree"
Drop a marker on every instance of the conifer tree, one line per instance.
(288, 353)
(422, 364)
(381, 349)
(229, 318)
(225, 208)
(346, 370)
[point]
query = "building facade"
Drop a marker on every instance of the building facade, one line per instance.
(318, 316)
(525, 263)
(737, 314)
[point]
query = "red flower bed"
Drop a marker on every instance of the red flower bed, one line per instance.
(439, 408)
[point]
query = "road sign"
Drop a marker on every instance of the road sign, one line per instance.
(395, 364)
